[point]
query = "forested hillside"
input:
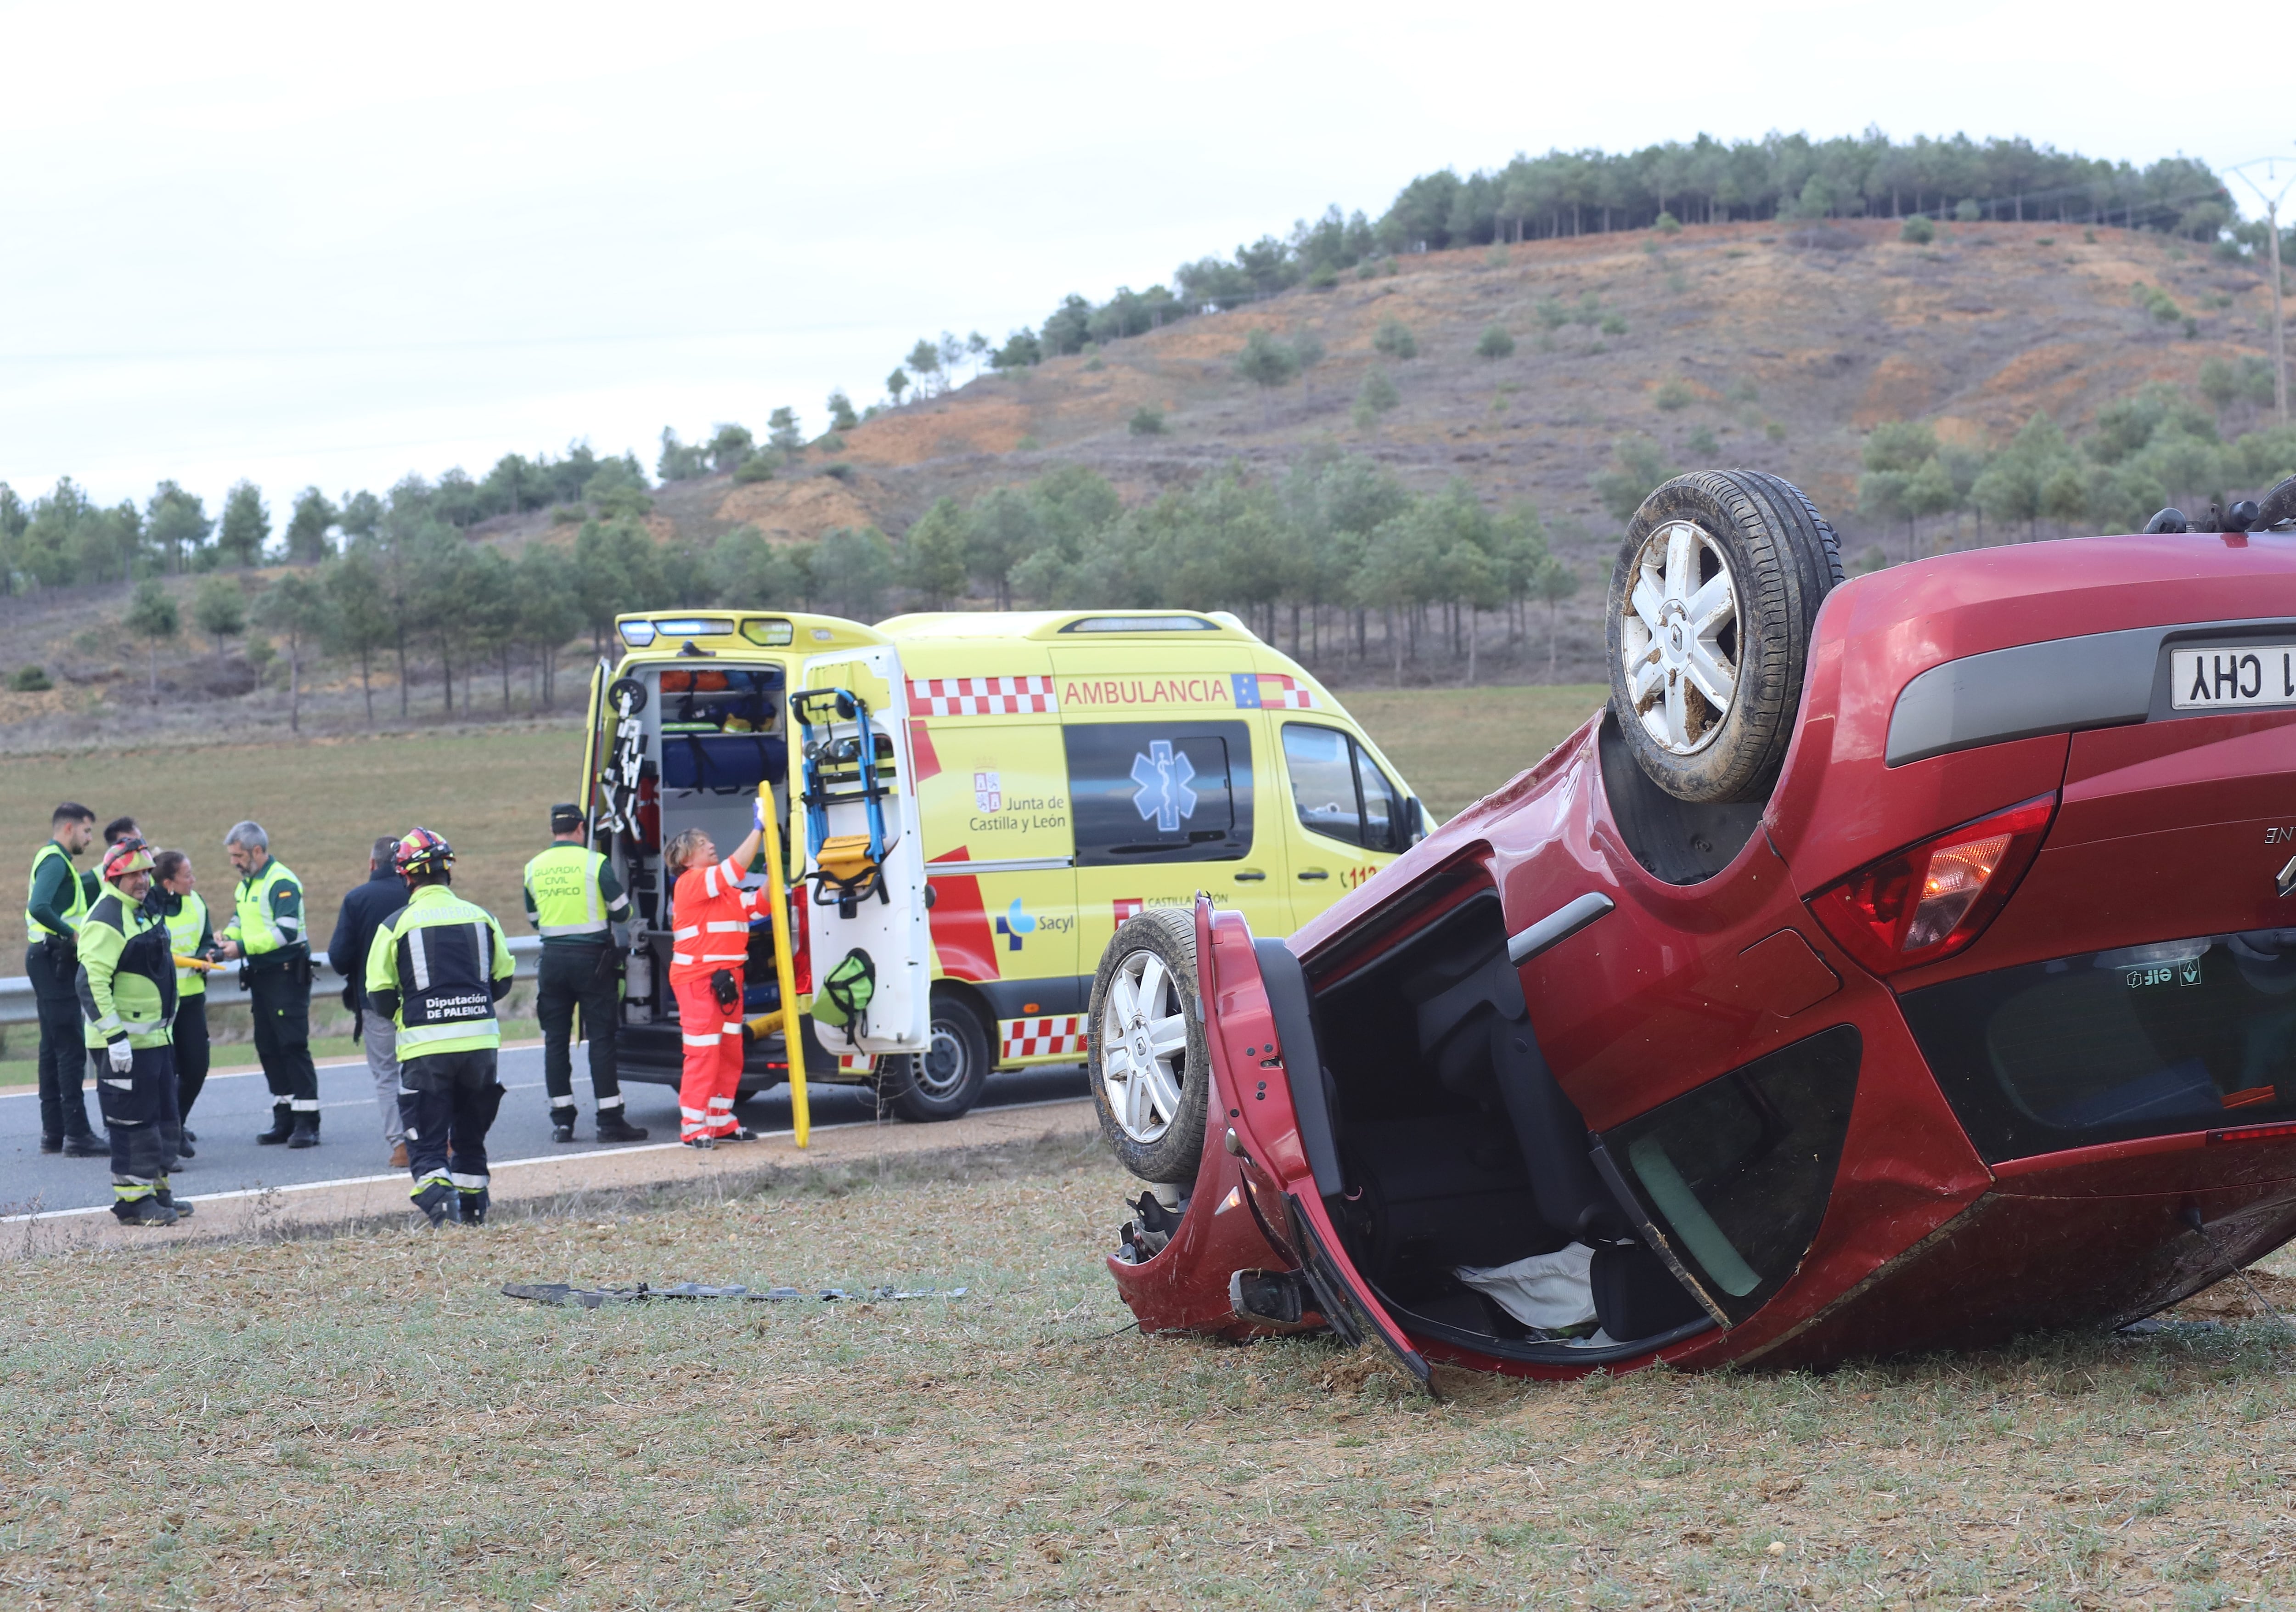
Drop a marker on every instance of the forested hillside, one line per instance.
(1415, 469)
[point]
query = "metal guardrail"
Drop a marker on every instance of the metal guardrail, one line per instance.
(17, 1006)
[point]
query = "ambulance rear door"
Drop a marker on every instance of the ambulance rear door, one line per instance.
(887, 925)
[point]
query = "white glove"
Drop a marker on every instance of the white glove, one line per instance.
(120, 1056)
(757, 817)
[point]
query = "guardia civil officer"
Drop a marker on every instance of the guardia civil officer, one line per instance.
(579, 908)
(267, 931)
(175, 900)
(126, 989)
(436, 969)
(53, 907)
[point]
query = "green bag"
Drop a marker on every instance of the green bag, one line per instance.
(845, 994)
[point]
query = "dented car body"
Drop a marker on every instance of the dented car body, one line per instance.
(1983, 1019)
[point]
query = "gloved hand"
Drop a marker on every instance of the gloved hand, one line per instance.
(120, 1055)
(757, 815)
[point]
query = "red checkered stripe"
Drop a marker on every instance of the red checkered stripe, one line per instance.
(853, 1062)
(1280, 693)
(982, 696)
(1041, 1037)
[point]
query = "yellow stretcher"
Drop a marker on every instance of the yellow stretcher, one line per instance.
(786, 1021)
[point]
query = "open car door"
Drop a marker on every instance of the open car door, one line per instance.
(1267, 1080)
(854, 806)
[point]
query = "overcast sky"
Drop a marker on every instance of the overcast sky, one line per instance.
(304, 245)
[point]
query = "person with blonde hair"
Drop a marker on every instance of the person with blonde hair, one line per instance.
(710, 909)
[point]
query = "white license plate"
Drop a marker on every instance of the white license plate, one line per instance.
(2232, 677)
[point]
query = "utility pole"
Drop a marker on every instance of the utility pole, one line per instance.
(2272, 200)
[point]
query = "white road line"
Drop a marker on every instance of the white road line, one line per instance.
(544, 1158)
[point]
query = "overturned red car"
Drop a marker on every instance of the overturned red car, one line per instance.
(1898, 964)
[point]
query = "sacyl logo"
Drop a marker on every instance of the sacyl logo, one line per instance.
(1014, 925)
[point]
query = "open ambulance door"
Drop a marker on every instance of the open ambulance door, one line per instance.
(853, 807)
(594, 737)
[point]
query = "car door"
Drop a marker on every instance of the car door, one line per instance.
(1347, 819)
(1258, 1031)
(889, 926)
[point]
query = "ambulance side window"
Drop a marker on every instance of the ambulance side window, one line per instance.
(1340, 792)
(1159, 792)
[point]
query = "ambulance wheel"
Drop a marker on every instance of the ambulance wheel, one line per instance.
(1151, 1071)
(1712, 602)
(945, 1081)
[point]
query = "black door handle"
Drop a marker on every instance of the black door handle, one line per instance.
(1248, 878)
(1315, 873)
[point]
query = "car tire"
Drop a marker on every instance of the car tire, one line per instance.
(946, 1081)
(1711, 603)
(1151, 1069)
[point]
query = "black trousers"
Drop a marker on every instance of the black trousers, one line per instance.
(139, 1111)
(281, 997)
(447, 1102)
(582, 976)
(191, 1051)
(64, 1109)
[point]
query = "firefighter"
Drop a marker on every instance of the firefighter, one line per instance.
(53, 907)
(438, 967)
(175, 900)
(127, 988)
(577, 905)
(267, 931)
(710, 912)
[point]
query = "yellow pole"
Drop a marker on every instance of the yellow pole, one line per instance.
(785, 969)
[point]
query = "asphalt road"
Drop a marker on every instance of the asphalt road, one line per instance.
(235, 1104)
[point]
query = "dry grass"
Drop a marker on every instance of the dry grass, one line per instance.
(1456, 746)
(362, 1422)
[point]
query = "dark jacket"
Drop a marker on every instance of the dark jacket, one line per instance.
(364, 910)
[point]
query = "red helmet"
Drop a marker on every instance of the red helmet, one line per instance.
(423, 854)
(126, 856)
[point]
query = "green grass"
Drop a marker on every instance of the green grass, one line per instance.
(1456, 746)
(361, 1420)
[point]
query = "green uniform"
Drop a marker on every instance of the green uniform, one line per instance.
(127, 988)
(268, 923)
(438, 967)
(57, 900)
(189, 934)
(579, 908)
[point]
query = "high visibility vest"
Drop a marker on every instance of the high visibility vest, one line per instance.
(73, 910)
(562, 887)
(712, 912)
(254, 925)
(441, 955)
(184, 926)
(126, 981)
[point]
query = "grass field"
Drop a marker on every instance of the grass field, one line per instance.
(363, 1421)
(488, 791)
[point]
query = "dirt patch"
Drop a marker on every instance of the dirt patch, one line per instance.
(2234, 1299)
(1903, 387)
(959, 424)
(796, 510)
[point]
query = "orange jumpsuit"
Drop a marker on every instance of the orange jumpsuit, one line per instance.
(712, 912)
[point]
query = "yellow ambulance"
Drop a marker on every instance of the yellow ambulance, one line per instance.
(1037, 778)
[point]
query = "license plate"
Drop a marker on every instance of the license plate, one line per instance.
(2233, 678)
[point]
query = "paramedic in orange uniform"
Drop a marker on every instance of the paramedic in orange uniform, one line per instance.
(711, 912)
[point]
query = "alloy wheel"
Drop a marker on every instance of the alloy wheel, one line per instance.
(1144, 1047)
(1680, 639)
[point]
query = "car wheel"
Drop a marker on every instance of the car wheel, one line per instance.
(946, 1080)
(1713, 600)
(1150, 1073)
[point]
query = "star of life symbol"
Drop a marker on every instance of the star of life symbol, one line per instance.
(1164, 794)
(988, 792)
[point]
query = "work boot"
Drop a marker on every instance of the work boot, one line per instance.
(144, 1211)
(399, 1156)
(473, 1208)
(283, 1126)
(436, 1202)
(562, 1125)
(739, 1133)
(305, 1133)
(167, 1195)
(700, 1144)
(613, 1127)
(86, 1146)
(51, 1144)
(183, 1149)
(191, 1135)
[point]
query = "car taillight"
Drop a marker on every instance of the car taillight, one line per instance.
(1926, 902)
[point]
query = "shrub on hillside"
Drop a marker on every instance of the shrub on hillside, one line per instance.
(1147, 421)
(1395, 340)
(1917, 229)
(756, 468)
(1674, 394)
(30, 679)
(1496, 343)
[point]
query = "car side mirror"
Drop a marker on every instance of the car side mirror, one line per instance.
(1419, 827)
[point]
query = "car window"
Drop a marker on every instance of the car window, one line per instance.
(1321, 763)
(1386, 825)
(1159, 792)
